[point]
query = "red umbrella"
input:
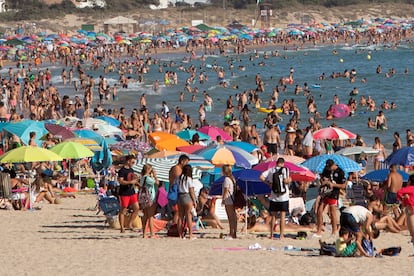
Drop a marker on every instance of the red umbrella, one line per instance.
(61, 131)
(214, 131)
(297, 172)
(190, 149)
(333, 133)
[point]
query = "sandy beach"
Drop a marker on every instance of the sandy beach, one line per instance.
(70, 239)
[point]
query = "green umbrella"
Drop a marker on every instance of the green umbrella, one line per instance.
(72, 150)
(29, 154)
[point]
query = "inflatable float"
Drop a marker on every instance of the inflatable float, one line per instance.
(267, 110)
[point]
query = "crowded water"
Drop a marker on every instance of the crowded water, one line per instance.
(313, 65)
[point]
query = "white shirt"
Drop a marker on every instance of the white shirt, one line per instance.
(227, 198)
(184, 184)
(358, 212)
(268, 175)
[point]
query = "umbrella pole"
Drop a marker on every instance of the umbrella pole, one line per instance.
(246, 211)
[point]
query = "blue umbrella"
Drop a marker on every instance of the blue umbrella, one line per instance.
(243, 145)
(90, 134)
(403, 157)
(23, 128)
(317, 163)
(112, 121)
(248, 181)
(187, 134)
(382, 175)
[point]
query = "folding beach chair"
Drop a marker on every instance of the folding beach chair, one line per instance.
(109, 206)
(358, 194)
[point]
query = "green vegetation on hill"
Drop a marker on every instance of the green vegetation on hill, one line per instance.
(38, 9)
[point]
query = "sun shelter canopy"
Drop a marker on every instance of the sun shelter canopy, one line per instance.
(119, 20)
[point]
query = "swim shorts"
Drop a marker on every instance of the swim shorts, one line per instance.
(330, 201)
(128, 200)
(271, 148)
(348, 222)
(278, 206)
(391, 198)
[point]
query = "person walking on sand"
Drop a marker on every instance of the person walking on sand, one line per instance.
(278, 200)
(127, 180)
(175, 172)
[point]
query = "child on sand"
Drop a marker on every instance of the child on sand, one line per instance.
(345, 245)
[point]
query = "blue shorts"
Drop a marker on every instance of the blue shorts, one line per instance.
(391, 198)
(348, 222)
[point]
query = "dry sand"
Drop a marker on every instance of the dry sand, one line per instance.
(70, 239)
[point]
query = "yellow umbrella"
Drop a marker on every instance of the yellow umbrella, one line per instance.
(29, 154)
(89, 143)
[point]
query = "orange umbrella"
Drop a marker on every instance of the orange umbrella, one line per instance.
(166, 141)
(223, 156)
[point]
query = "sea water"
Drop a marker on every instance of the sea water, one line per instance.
(308, 65)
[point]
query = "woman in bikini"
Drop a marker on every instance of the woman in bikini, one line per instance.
(380, 157)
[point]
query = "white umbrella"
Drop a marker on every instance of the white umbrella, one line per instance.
(357, 150)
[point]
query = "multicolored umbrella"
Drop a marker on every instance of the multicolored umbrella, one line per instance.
(228, 155)
(333, 133)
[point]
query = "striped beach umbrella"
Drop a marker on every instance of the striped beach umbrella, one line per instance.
(162, 167)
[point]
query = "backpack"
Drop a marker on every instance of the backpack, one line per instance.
(144, 197)
(278, 187)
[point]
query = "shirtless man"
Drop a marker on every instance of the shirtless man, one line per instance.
(271, 139)
(3, 112)
(394, 183)
(381, 121)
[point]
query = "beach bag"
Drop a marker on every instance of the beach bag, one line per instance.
(162, 199)
(144, 197)
(173, 194)
(278, 187)
(239, 200)
(391, 251)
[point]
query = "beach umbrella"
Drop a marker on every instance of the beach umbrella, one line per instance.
(107, 130)
(23, 128)
(110, 120)
(333, 133)
(227, 155)
(89, 134)
(296, 172)
(162, 167)
(242, 145)
(214, 131)
(382, 175)
(72, 150)
(317, 163)
(190, 148)
(29, 154)
(357, 150)
(89, 143)
(403, 157)
(59, 131)
(166, 141)
(248, 180)
(90, 122)
(290, 158)
(187, 134)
